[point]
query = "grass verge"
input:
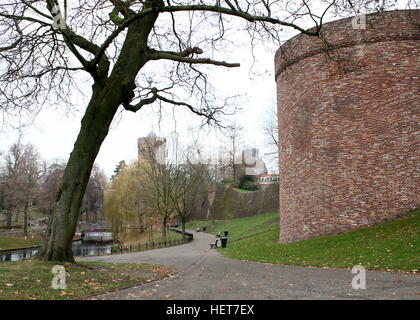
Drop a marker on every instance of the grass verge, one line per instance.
(14, 242)
(239, 228)
(391, 246)
(31, 280)
(243, 190)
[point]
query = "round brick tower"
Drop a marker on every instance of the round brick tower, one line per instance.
(349, 123)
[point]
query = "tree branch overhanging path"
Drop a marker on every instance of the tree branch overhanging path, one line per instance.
(46, 46)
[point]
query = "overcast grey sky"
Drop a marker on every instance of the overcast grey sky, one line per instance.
(54, 131)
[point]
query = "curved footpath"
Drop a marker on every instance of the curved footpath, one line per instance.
(204, 274)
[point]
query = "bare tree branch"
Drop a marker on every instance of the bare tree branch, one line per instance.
(14, 44)
(183, 57)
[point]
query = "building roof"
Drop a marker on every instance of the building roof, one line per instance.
(151, 134)
(268, 175)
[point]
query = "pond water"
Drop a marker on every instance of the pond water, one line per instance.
(80, 248)
(85, 248)
(17, 254)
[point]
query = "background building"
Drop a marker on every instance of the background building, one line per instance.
(152, 147)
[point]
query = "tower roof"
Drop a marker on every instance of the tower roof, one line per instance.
(151, 134)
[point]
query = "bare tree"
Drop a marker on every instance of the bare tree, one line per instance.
(233, 147)
(48, 187)
(190, 189)
(2, 196)
(20, 176)
(48, 46)
(50, 183)
(31, 175)
(161, 174)
(271, 134)
(93, 199)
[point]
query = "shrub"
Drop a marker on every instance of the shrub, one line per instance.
(250, 185)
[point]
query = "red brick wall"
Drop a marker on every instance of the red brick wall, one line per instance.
(349, 126)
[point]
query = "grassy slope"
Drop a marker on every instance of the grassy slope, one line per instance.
(394, 245)
(31, 280)
(243, 190)
(239, 228)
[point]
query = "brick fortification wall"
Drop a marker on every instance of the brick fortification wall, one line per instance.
(349, 125)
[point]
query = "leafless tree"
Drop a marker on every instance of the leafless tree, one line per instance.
(134, 53)
(50, 182)
(271, 134)
(93, 199)
(190, 189)
(233, 146)
(21, 173)
(160, 173)
(31, 175)
(48, 187)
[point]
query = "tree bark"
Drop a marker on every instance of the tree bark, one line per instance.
(107, 95)
(9, 223)
(62, 224)
(164, 226)
(17, 215)
(183, 229)
(25, 219)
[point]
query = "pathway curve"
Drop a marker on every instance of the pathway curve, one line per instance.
(203, 273)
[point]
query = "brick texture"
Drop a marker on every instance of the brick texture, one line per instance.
(349, 123)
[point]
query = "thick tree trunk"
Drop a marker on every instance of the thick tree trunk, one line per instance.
(108, 94)
(183, 229)
(164, 229)
(63, 222)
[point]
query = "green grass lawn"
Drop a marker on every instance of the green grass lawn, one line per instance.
(392, 246)
(12, 242)
(239, 228)
(31, 280)
(18, 224)
(243, 190)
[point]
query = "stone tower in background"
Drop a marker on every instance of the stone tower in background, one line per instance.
(152, 147)
(349, 125)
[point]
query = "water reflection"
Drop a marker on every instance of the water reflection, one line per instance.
(88, 248)
(17, 254)
(80, 248)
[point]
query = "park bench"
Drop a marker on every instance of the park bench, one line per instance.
(214, 245)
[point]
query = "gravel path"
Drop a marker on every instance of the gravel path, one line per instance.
(203, 273)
